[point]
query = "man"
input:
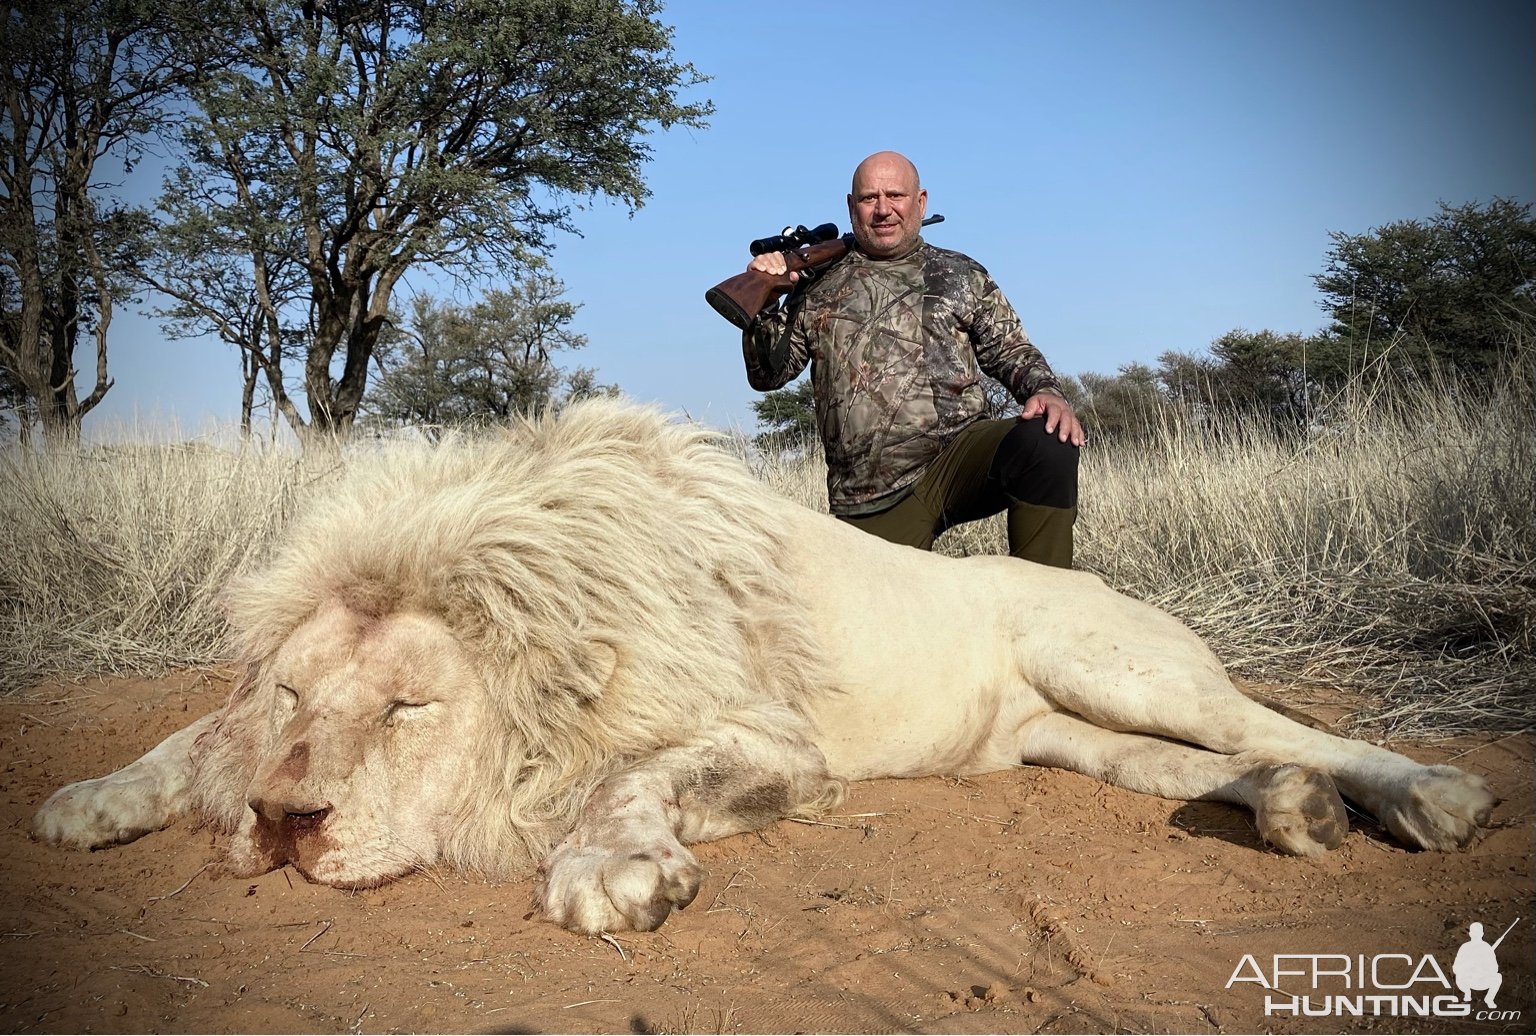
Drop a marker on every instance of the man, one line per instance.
(1477, 966)
(896, 334)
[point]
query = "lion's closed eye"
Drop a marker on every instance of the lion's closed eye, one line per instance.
(405, 711)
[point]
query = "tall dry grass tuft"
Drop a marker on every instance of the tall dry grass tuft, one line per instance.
(116, 554)
(1392, 550)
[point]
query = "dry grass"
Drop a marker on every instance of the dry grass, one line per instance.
(116, 554)
(1395, 552)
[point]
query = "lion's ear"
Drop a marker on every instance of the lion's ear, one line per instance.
(595, 663)
(247, 679)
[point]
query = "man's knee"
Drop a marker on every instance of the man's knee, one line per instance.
(1032, 466)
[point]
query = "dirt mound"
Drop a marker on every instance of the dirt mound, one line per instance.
(1029, 901)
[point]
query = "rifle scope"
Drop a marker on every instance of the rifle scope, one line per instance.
(792, 238)
(799, 237)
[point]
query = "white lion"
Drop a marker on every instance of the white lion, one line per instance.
(599, 639)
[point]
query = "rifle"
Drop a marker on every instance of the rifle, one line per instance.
(809, 253)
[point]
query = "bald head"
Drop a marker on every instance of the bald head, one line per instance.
(887, 205)
(884, 163)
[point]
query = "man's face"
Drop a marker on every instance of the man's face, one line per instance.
(886, 207)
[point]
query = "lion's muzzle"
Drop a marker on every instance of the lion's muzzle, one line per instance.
(288, 829)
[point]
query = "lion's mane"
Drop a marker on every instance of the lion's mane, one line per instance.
(607, 540)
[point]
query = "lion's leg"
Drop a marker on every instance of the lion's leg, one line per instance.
(1186, 696)
(143, 796)
(1426, 807)
(1298, 810)
(624, 865)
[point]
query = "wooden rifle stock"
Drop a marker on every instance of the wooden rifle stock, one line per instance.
(741, 298)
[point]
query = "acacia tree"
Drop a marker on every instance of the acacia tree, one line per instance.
(86, 80)
(1261, 372)
(394, 133)
(1448, 290)
(229, 258)
(452, 365)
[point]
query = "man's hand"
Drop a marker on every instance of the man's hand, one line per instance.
(1059, 417)
(774, 264)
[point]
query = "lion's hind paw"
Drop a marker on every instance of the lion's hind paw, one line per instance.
(595, 889)
(1299, 810)
(1442, 808)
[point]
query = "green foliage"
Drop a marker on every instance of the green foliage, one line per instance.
(1261, 375)
(1120, 407)
(1262, 372)
(357, 141)
(1417, 298)
(458, 365)
(788, 416)
(1444, 292)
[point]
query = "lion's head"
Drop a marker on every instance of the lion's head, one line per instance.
(455, 644)
(367, 725)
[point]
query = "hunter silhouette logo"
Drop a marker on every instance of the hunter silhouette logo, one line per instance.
(1392, 984)
(1477, 966)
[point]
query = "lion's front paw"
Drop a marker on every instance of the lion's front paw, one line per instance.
(1442, 808)
(594, 889)
(97, 813)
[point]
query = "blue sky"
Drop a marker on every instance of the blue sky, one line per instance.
(1137, 176)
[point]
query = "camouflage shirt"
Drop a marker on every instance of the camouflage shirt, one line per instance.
(895, 348)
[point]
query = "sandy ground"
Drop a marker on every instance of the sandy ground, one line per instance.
(1029, 901)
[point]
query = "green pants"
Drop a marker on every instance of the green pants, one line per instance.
(990, 467)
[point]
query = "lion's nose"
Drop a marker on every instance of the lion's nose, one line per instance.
(306, 821)
(300, 817)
